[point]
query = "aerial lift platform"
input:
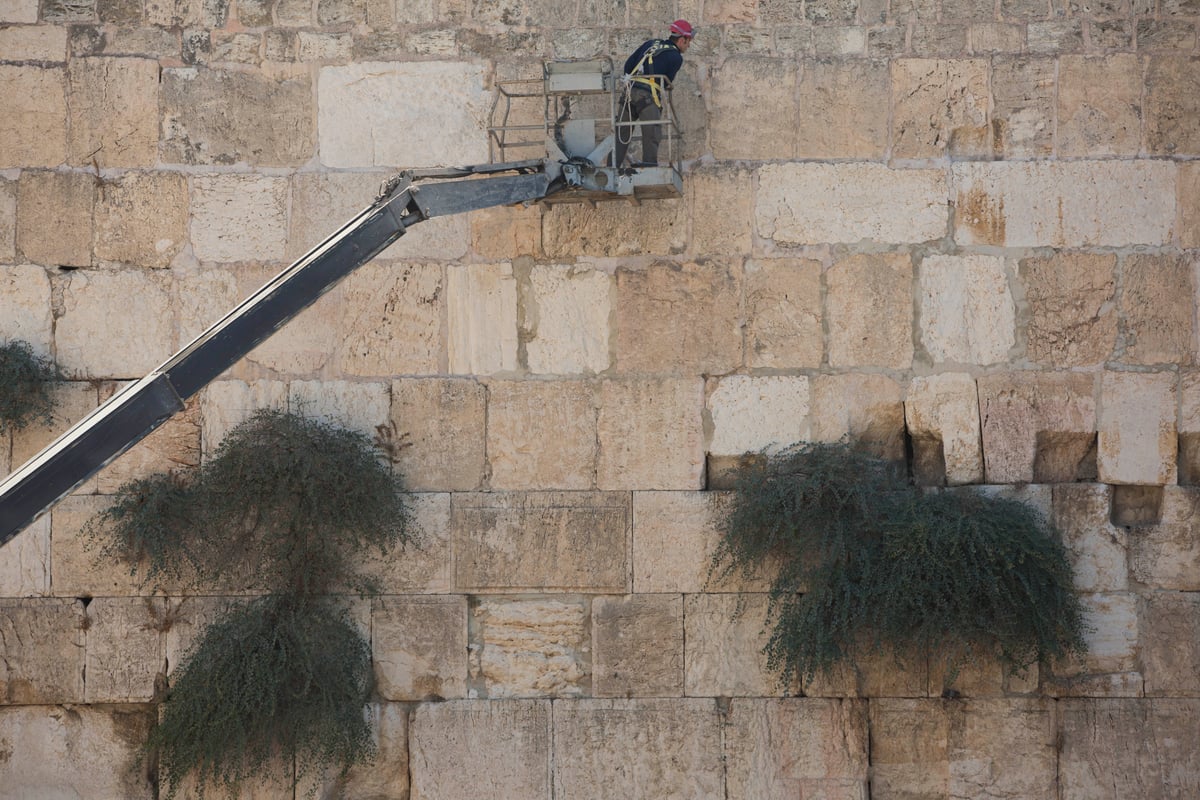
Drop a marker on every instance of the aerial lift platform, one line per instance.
(567, 160)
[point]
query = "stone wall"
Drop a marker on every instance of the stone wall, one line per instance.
(968, 231)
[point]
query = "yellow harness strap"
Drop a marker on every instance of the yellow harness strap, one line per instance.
(650, 81)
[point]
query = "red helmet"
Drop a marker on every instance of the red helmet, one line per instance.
(681, 27)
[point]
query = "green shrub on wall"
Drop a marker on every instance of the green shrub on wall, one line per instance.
(867, 563)
(25, 386)
(285, 504)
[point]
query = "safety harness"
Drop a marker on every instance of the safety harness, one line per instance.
(650, 81)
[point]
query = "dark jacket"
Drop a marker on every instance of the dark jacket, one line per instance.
(665, 60)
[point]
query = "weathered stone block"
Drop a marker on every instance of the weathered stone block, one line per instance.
(721, 201)
(423, 565)
(867, 409)
(1156, 309)
(530, 647)
(1172, 101)
(831, 203)
(1099, 105)
(419, 646)
(47, 43)
(93, 342)
(391, 320)
(506, 232)
(1098, 549)
(202, 297)
(43, 651)
(520, 453)
(1189, 205)
(239, 217)
(142, 218)
(437, 428)
(843, 110)
(467, 748)
(938, 39)
(1167, 555)
(749, 414)
(32, 131)
(753, 112)
(25, 561)
(215, 116)
(1021, 411)
(8, 221)
(1113, 626)
(76, 569)
(870, 312)
(321, 201)
(942, 414)
(1064, 204)
(125, 649)
(541, 541)
(386, 776)
(307, 345)
(966, 308)
(725, 636)
(75, 751)
(54, 217)
(25, 309)
(650, 434)
(783, 310)
(1138, 443)
(173, 446)
(565, 319)
(995, 37)
(20, 11)
(1023, 110)
(941, 108)
(679, 318)
(637, 749)
(1072, 309)
(114, 112)
(637, 643)
(1170, 643)
(614, 229)
(354, 405)
(225, 404)
(481, 307)
(796, 747)
(438, 105)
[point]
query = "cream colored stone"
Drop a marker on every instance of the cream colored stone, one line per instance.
(25, 309)
(1171, 102)
(323, 46)
(226, 404)
(203, 297)
(1167, 555)
(1169, 643)
(386, 776)
(1064, 204)
(75, 751)
(481, 309)
(113, 106)
(637, 646)
(1138, 441)
(32, 129)
(862, 407)
(520, 414)
(190, 618)
(1098, 550)
(637, 749)
(76, 566)
(967, 311)
(720, 199)
(1022, 413)
(54, 218)
(753, 111)
(783, 310)
(843, 109)
(541, 541)
(73, 400)
(1188, 225)
(1113, 628)
(412, 114)
(141, 219)
(43, 651)
(796, 747)
(1099, 105)
(649, 434)
(942, 413)
(8, 220)
(565, 318)
(472, 748)
(321, 202)
(25, 561)
(506, 232)
(93, 342)
(1072, 308)
(239, 217)
(941, 107)
(757, 414)
(1156, 309)
(725, 636)
(531, 647)
(869, 311)
(615, 229)
(425, 564)
(125, 649)
(1023, 106)
(175, 445)
(419, 646)
(437, 429)
(360, 407)
(20, 11)
(33, 42)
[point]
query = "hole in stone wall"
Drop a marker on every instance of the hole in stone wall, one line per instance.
(721, 472)
(1189, 459)
(1134, 506)
(927, 460)
(1064, 457)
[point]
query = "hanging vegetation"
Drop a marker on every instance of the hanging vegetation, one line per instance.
(26, 380)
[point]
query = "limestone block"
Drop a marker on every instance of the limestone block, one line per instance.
(1072, 309)
(1099, 105)
(940, 39)
(438, 107)
(186, 14)
(239, 217)
(189, 619)
(750, 414)
(869, 311)
(437, 429)
(33, 42)
(649, 434)
(679, 318)
(141, 218)
(481, 309)
(942, 414)
(323, 47)
(386, 776)
(637, 749)
(424, 565)
(33, 132)
(214, 116)
(1167, 555)
(721, 202)
(862, 407)
(25, 561)
(1189, 205)
(565, 319)
(20, 11)
(830, 203)
(505, 232)
(73, 400)
(1112, 633)
(203, 296)
(8, 220)
(125, 649)
(1172, 102)
(521, 455)
(1029, 419)
(43, 651)
(1023, 106)
(322, 202)
(541, 541)
(306, 345)
(941, 108)
(615, 229)
(783, 313)
(419, 646)
(356, 406)
(76, 566)
(843, 110)
(996, 37)
(54, 218)
(725, 636)
(637, 644)
(531, 647)
(75, 751)
(25, 309)
(796, 747)
(1170, 643)
(1156, 309)
(1138, 442)
(93, 342)
(175, 445)
(1098, 550)
(225, 404)
(1064, 203)
(967, 311)
(114, 112)
(479, 748)
(753, 112)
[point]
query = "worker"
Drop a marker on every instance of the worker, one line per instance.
(645, 88)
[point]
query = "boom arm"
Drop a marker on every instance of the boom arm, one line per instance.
(141, 407)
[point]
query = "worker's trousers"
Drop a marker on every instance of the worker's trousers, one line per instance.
(641, 107)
